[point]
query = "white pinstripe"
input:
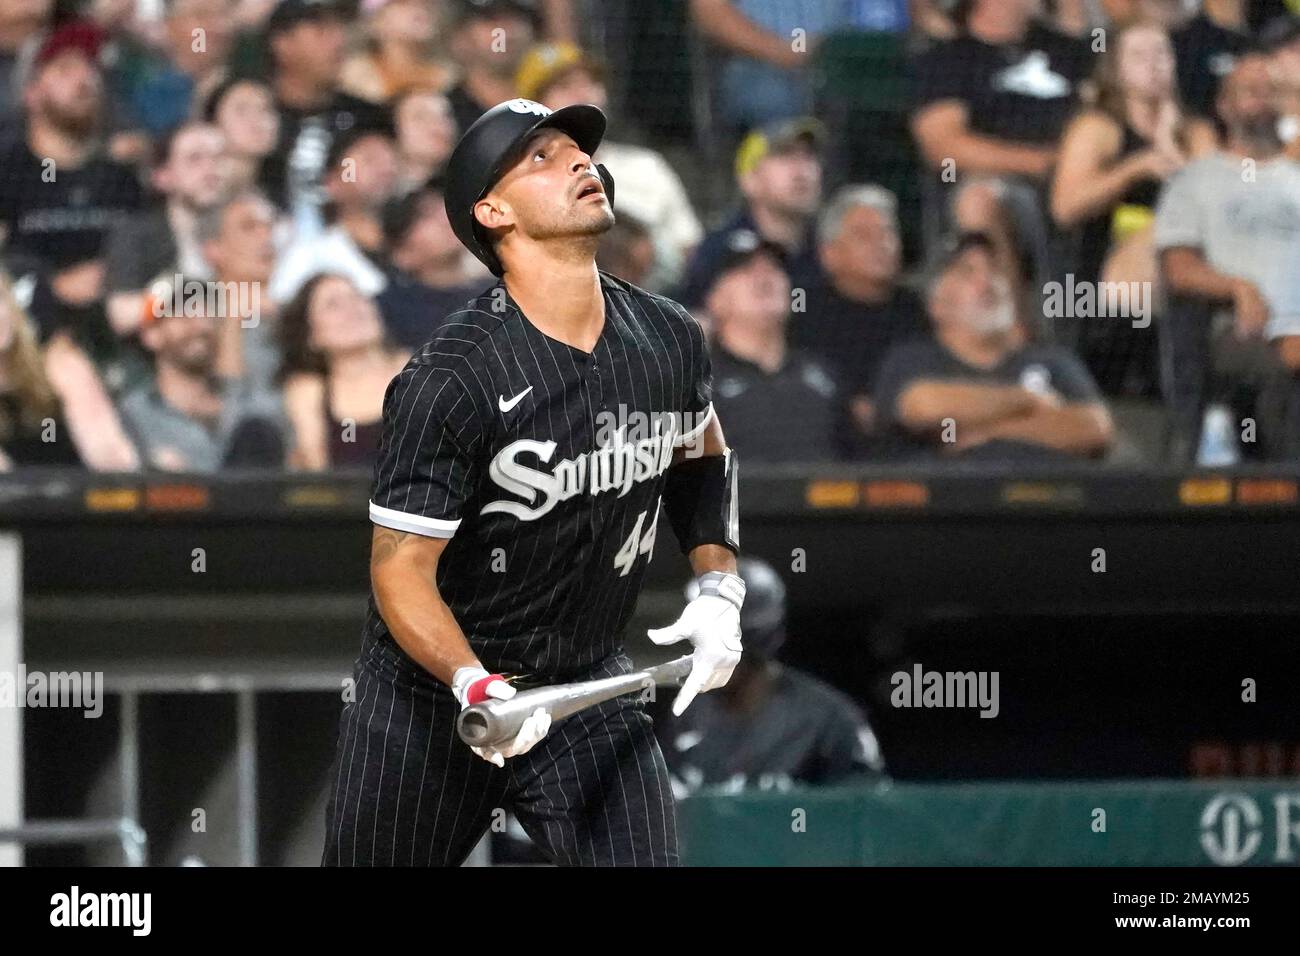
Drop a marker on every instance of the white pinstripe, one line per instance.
(397, 809)
(383, 759)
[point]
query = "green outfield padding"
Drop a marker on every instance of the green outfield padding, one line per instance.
(1162, 823)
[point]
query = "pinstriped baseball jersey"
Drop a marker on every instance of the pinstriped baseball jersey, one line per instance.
(544, 465)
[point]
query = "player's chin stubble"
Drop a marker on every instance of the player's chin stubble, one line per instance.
(576, 222)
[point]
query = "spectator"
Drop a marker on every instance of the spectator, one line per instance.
(121, 51)
(779, 171)
(1116, 156)
(560, 75)
(1207, 48)
(360, 176)
(337, 365)
(1281, 41)
(990, 108)
(190, 418)
(189, 177)
(21, 23)
(398, 54)
(165, 84)
(426, 135)
(977, 390)
(861, 310)
(627, 250)
(430, 274)
(1228, 232)
(243, 109)
(237, 239)
(766, 78)
(60, 195)
(771, 726)
(488, 40)
(778, 403)
(52, 411)
(1114, 159)
(306, 39)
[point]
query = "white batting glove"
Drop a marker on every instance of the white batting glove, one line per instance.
(711, 622)
(473, 685)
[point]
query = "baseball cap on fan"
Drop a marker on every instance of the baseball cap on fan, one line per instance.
(77, 36)
(953, 248)
(289, 13)
(492, 144)
(742, 245)
(777, 137)
(547, 62)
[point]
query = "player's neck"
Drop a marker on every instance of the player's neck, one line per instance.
(561, 298)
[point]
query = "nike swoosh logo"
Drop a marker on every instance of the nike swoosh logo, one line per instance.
(506, 406)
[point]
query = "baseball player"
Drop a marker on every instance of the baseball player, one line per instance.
(527, 452)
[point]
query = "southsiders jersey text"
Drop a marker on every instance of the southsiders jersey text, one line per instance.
(631, 448)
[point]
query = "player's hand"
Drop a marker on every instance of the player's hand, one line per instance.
(474, 685)
(711, 622)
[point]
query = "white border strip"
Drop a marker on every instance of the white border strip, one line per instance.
(11, 718)
(416, 524)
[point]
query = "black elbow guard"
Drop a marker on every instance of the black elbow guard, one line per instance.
(701, 501)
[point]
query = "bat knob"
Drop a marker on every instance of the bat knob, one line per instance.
(472, 726)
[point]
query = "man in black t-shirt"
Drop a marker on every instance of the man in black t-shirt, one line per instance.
(860, 311)
(1207, 48)
(306, 40)
(59, 195)
(989, 109)
(978, 390)
(779, 403)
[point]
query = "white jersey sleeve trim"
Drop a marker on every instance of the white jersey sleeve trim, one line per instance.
(688, 437)
(416, 524)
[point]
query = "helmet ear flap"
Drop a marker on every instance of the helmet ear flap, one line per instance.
(607, 178)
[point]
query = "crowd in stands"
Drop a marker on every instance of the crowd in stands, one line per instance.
(224, 233)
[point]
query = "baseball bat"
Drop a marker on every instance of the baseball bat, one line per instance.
(496, 722)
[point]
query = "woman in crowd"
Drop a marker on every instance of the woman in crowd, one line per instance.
(54, 410)
(1113, 161)
(244, 110)
(426, 135)
(337, 365)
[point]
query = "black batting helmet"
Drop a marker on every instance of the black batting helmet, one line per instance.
(491, 145)
(762, 617)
